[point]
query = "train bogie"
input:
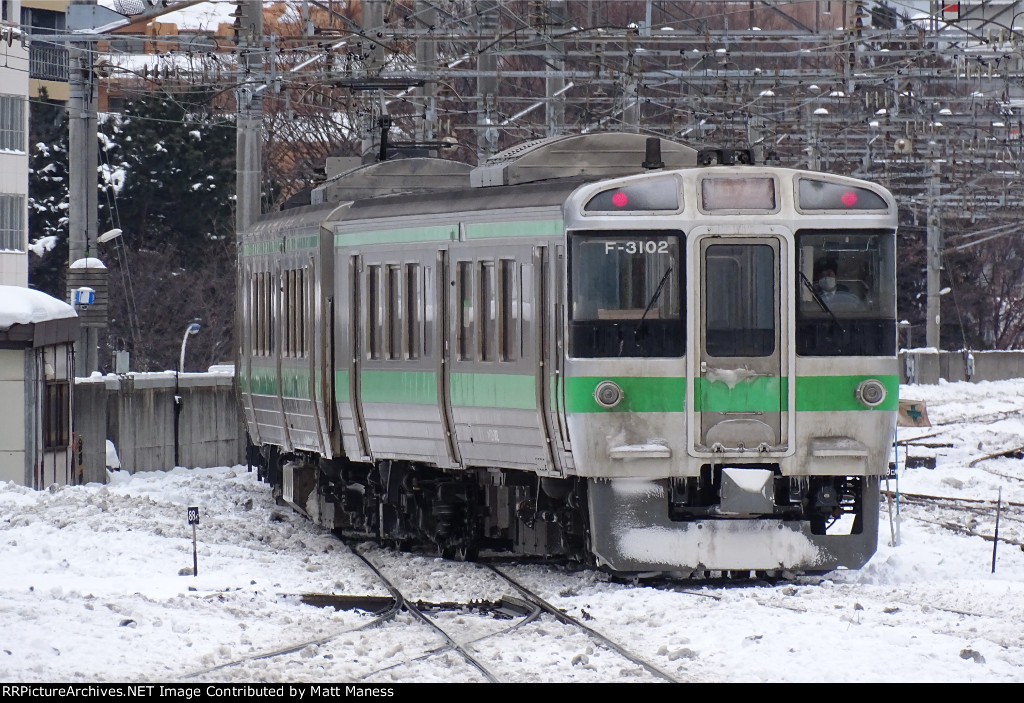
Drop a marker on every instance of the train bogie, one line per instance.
(674, 369)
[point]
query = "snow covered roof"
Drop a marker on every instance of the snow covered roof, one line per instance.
(24, 306)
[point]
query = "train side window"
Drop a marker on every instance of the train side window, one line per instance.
(305, 309)
(374, 312)
(262, 314)
(254, 317)
(526, 319)
(509, 310)
(464, 314)
(257, 314)
(294, 311)
(299, 312)
(288, 304)
(288, 308)
(488, 302)
(269, 314)
(395, 309)
(413, 310)
(429, 300)
(270, 311)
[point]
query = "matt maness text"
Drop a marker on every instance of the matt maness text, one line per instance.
(190, 692)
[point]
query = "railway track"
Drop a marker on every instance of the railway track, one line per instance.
(445, 621)
(249, 663)
(970, 516)
(488, 650)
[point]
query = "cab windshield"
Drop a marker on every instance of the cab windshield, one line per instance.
(846, 303)
(625, 294)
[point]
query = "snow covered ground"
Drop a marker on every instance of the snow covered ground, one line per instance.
(97, 586)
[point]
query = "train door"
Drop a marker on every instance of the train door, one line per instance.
(549, 336)
(311, 336)
(355, 319)
(739, 316)
(278, 316)
(249, 328)
(439, 296)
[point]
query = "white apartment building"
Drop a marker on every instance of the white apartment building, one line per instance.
(37, 332)
(14, 91)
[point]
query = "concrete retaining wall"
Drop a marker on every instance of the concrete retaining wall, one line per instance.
(136, 411)
(929, 365)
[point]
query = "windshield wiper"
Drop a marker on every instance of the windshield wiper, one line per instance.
(654, 298)
(821, 303)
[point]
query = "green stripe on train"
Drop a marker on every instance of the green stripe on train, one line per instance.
(310, 241)
(759, 394)
(487, 230)
(398, 236)
(839, 392)
(482, 390)
(492, 390)
(263, 380)
(275, 246)
(478, 230)
(640, 394)
(404, 387)
(257, 248)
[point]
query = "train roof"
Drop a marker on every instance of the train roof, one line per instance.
(539, 173)
(549, 194)
(589, 156)
(273, 224)
(389, 177)
(598, 155)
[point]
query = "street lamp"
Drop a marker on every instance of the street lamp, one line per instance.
(190, 330)
(108, 235)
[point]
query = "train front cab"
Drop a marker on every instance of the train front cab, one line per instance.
(730, 415)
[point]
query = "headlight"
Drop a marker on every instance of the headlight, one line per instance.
(871, 393)
(608, 394)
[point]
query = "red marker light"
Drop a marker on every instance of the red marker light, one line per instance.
(619, 199)
(849, 198)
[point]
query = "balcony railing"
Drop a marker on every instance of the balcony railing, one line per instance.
(48, 63)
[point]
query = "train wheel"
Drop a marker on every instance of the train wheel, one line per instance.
(458, 552)
(465, 552)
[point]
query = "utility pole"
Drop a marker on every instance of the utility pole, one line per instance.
(249, 138)
(933, 245)
(554, 82)
(82, 201)
(487, 83)
(82, 96)
(426, 63)
(87, 21)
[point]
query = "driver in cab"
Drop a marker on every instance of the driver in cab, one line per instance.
(827, 287)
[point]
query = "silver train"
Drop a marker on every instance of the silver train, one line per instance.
(602, 347)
